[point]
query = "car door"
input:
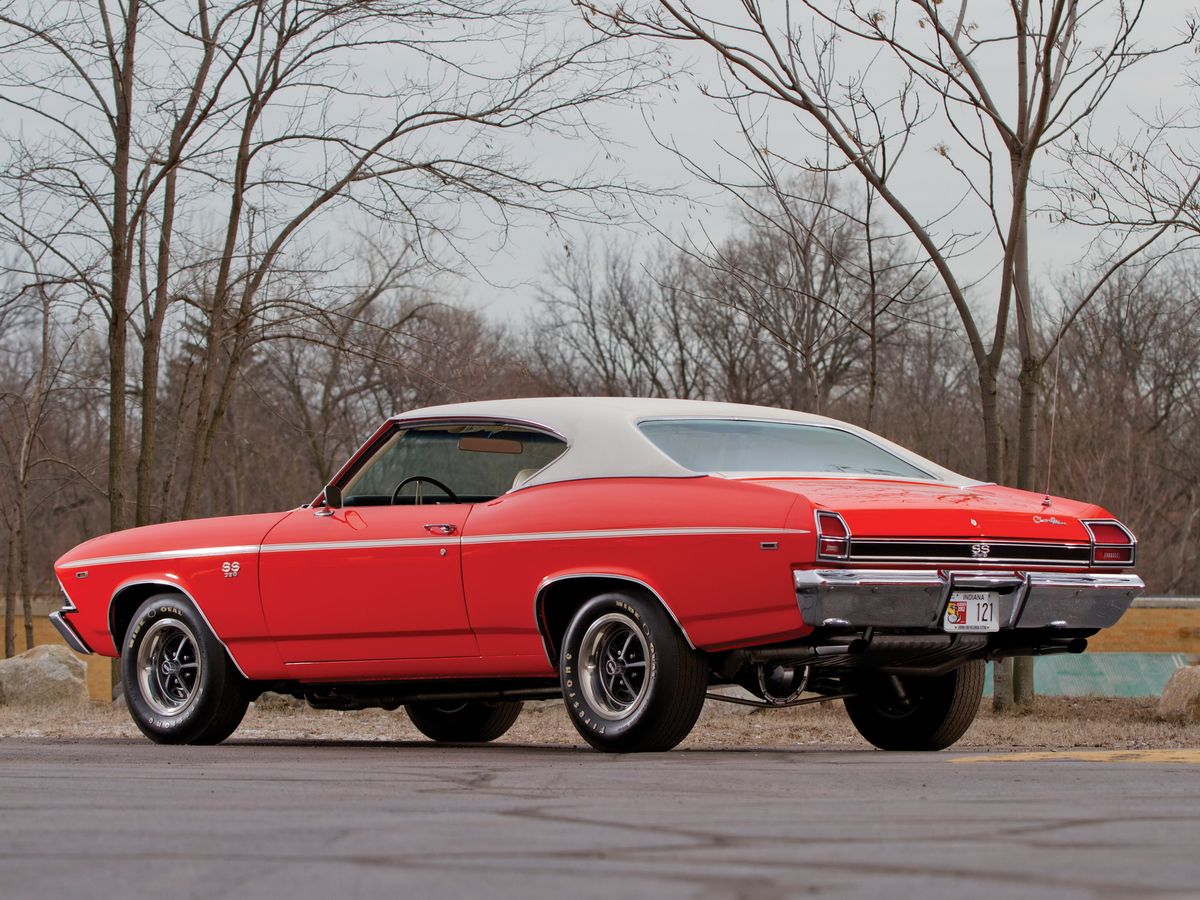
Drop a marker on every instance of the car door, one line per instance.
(366, 583)
(375, 575)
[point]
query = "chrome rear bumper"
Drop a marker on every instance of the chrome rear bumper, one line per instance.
(916, 598)
(68, 632)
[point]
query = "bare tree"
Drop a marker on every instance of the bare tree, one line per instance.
(609, 327)
(1129, 414)
(822, 279)
(926, 65)
(167, 139)
(27, 403)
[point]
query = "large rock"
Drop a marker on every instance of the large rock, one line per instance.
(48, 675)
(1180, 701)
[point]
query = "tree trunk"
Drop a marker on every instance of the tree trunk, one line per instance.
(116, 419)
(149, 432)
(23, 586)
(990, 410)
(1003, 699)
(151, 346)
(1030, 382)
(1002, 670)
(10, 603)
(121, 269)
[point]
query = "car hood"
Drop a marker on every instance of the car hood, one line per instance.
(881, 508)
(194, 534)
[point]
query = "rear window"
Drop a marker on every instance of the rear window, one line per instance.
(733, 446)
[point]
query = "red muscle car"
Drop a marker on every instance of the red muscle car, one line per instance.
(627, 555)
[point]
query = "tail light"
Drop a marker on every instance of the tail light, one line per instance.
(1112, 543)
(833, 537)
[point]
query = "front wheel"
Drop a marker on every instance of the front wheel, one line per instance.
(180, 685)
(917, 713)
(464, 723)
(630, 681)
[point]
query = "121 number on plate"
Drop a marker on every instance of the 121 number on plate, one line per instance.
(972, 611)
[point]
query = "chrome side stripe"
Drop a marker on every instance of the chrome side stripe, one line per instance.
(351, 545)
(597, 534)
(162, 554)
(618, 533)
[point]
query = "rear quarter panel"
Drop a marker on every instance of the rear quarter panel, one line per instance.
(724, 589)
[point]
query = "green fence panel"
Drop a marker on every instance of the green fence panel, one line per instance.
(1102, 674)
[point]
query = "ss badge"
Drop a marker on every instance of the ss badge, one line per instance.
(231, 569)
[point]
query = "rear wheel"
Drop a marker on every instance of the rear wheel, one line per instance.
(180, 685)
(466, 723)
(917, 713)
(630, 681)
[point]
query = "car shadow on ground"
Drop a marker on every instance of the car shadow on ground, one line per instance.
(510, 749)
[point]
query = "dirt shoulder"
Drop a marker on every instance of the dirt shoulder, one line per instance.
(1053, 723)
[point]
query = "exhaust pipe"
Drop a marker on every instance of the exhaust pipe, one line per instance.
(802, 655)
(1052, 648)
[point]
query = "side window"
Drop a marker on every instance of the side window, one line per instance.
(475, 462)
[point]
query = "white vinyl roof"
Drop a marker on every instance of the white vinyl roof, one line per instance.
(603, 440)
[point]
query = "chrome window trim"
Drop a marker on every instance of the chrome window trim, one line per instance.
(401, 422)
(604, 440)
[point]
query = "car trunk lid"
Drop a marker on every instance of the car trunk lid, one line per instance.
(919, 510)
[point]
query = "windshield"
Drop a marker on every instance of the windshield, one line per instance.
(729, 445)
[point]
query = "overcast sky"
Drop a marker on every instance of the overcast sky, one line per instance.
(695, 123)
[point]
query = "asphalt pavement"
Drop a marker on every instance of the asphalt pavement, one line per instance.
(121, 818)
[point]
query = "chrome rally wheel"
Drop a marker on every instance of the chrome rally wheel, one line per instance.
(630, 680)
(180, 685)
(169, 666)
(613, 666)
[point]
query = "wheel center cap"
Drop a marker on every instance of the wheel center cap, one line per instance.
(171, 667)
(612, 667)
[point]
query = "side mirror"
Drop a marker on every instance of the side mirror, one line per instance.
(333, 496)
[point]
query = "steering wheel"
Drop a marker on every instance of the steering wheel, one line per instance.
(437, 484)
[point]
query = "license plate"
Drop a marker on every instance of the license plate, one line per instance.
(972, 611)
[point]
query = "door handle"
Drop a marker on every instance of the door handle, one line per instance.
(441, 529)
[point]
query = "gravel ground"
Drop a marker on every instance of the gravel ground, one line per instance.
(1053, 723)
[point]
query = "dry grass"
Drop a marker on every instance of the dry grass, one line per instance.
(1053, 723)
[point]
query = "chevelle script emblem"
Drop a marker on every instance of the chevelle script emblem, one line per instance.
(1048, 520)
